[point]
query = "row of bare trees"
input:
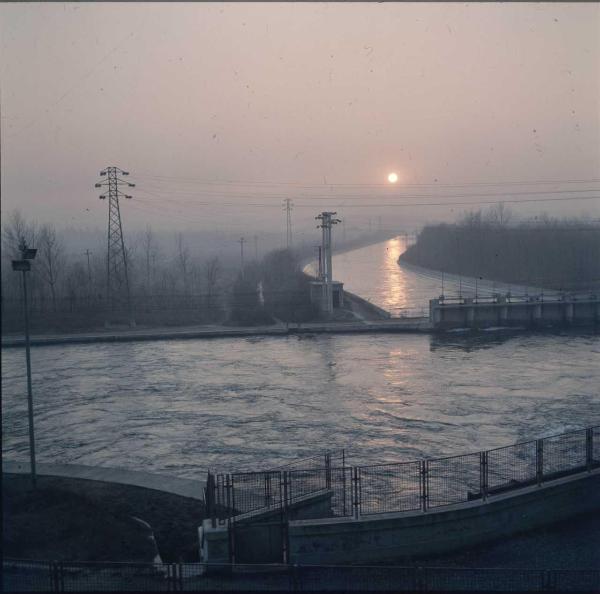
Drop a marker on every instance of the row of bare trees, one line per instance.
(561, 254)
(64, 284)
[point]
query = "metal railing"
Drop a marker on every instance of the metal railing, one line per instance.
(404, 486)
(52, 576)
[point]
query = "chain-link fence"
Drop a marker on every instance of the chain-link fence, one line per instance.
(48, 576)
(405, 486)
(390, 487)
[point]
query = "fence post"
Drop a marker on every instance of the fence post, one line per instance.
(230, 496)
(295, 585)
(483, 474)
(344, 481)
(421, 580)
(539, 461)
(424, 484)
(180, 576)
(285, 545)
(328, 471)
(53, 571)
(286, 490)
(209, 498)
(268, 496)
(355, 502)
(589, 448)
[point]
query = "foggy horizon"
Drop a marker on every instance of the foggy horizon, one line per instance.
(220, 111)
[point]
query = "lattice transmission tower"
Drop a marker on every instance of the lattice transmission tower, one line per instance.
(117, 279)
(288, 205)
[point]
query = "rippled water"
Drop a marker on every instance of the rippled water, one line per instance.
(179, 407)
(373, 273)
(182, 406)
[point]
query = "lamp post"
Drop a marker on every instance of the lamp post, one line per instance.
(24, 265)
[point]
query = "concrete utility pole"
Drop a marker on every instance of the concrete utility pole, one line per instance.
(320, 262)
(241, 241)
(287, 206)
(24, 265)
(116, 258)
(327, 223)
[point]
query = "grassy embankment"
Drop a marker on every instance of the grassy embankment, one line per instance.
(83, 520)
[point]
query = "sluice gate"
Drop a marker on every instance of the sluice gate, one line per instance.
(539, 311)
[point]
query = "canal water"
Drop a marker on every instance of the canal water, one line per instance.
(375, 274)
(180, 407)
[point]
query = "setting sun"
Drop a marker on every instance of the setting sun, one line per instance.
(393, 178)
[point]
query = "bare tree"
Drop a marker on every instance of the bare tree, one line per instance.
(499, 215)
(212, 272)
(51, 258)
(15, 230)
(150, 252)
(183, 259)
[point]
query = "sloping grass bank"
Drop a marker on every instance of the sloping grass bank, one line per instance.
(83, 520)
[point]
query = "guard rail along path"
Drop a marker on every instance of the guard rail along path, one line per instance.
(323, 510)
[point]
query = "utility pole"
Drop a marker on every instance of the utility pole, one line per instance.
(241, 241)
(327, 223)
(24, 265)
(287, 206)
(88, 253)
(319, 262)
(116, 258)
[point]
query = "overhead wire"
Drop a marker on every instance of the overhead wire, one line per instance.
(204, 181)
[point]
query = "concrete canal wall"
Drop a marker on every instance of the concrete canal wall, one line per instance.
(396, 535)
(393, 536)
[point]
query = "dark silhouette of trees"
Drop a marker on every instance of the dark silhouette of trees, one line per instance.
(286, 288)
(551, 253)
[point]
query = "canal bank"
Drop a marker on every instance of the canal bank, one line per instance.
(137, 335)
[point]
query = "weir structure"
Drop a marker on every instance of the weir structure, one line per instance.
(321, 510)
(507, 310)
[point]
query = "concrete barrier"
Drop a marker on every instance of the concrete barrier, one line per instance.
(258, 536)
(398, 535)
(412, 534)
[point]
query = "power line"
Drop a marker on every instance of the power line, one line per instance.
(361, 196)
(204, 181)
(382, 205)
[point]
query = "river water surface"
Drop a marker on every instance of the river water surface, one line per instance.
(179, 407)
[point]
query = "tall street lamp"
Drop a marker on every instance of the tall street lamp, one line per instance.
(24, 265)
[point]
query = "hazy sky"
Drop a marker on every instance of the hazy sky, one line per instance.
(183, 95)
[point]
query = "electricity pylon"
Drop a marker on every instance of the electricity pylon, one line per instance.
(287, 206)
(242, 241)
(117, 280)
